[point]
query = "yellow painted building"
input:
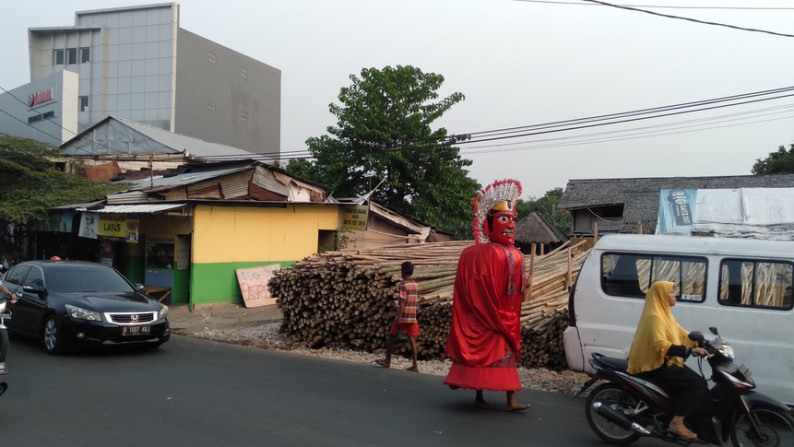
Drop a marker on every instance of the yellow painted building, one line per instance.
(226, 238)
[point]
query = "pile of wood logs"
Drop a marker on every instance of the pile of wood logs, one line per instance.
(346, 300)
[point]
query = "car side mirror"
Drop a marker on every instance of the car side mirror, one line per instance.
(31, 289)
(697, 336)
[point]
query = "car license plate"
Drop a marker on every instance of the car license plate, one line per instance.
(135, 330)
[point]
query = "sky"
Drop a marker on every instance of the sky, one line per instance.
(519, 64)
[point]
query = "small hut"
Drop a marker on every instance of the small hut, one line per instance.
(536, 229)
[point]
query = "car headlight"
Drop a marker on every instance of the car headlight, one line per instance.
(163, 311)
(82, 314)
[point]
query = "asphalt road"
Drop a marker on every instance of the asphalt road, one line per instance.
(199, 393)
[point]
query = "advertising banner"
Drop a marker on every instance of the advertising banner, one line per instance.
(676, 211)
(89, 223)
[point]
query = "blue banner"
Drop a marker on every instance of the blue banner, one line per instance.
(676, 211)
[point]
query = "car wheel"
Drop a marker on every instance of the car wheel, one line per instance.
(51, 337)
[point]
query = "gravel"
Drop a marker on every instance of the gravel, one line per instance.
(267, 336)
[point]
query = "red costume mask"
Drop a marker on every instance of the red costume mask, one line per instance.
(503, 228)
(496, 205)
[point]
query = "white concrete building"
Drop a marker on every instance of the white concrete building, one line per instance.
(137, 63)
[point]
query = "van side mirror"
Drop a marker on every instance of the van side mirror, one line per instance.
(697, 336)
(138, 286)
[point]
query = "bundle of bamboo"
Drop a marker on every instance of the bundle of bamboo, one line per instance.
(346, 300)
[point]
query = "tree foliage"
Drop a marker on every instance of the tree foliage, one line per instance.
(384, 138)
(547, 206)
(30, 183)
(779, 162)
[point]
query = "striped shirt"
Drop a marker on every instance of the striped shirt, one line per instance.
(409, 293)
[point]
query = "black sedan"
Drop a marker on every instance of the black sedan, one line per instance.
(70, 303)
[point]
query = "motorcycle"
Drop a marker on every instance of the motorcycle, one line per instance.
(4, 315)
(625, 408)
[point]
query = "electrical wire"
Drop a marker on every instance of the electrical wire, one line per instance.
(689, 19)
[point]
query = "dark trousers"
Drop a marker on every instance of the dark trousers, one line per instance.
(688, 389)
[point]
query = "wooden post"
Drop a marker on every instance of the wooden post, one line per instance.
(570, 269)
(528, 291)
(595, 232)
(639, 227)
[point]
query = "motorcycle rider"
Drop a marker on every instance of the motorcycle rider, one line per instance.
(657, 355)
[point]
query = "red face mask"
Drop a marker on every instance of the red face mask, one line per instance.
(504, 228)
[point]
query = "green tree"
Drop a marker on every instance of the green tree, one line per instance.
(383, 138)
(30, 183)
(547, 206)
(780, 162)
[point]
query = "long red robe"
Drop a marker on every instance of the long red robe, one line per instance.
(485, 333)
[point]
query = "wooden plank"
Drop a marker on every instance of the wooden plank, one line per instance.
(253, 285)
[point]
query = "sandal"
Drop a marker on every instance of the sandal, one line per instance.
(685, 433)
(382, 363)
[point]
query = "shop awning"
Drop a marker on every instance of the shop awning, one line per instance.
(146, 208)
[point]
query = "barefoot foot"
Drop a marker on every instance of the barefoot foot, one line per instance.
(517, 407)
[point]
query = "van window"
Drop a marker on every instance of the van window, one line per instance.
(631, 275)
(765, 284)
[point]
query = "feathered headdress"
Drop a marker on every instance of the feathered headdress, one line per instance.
(492, 196)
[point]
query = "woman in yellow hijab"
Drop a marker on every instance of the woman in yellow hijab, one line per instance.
(657, 355)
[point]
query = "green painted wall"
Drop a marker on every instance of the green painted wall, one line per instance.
(217, 282)
(134, 268)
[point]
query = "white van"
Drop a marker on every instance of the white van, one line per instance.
(743, 287)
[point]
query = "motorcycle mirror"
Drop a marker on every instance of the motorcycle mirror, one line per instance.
(697, 336)
(714, 331)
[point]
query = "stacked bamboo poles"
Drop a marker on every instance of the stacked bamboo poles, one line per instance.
(346, 300)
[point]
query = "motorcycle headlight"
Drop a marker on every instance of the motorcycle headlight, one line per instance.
(82, 314)
(2, 306)
(163, 311)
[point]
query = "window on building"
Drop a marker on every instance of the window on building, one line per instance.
(71, 56)
(211, 104)
(751, 283)
(211, 56)
(244, 116)
(57, 55)
(85, 55)
(244, 72)
(83, 103)
(632, 275)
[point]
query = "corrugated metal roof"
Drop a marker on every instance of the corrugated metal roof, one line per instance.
(147, 208)
(120, 136)
(188, 178)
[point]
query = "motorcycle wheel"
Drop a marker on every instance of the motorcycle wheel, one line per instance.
(611, 395)
(776, 428)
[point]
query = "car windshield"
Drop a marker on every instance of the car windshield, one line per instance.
(67, 279)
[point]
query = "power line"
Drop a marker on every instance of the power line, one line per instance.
(704, 22)
(756, 8)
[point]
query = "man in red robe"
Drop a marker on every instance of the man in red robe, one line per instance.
(485, 333)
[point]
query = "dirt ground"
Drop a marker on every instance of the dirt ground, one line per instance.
(258, 327)
(219, 316)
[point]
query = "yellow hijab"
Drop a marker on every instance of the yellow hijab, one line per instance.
(656, 332)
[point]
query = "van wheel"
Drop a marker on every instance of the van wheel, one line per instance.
(613, 396)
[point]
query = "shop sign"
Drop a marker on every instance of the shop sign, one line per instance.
(109, 225)
(40, 97)
(355, 217)
(41, 117)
